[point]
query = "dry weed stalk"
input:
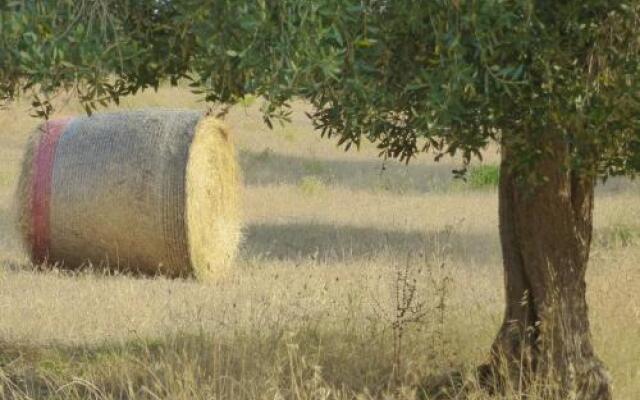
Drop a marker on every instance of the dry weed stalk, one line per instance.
(410, 307)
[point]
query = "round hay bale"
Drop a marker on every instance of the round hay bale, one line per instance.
(154, 192)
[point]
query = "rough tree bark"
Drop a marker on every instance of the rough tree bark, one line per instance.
(546, 234)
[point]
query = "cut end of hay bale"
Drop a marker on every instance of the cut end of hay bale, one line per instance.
(212, 201)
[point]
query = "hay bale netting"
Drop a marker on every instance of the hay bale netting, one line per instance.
(149, 191)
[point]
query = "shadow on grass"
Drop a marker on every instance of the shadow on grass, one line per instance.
(244, 366)
(269, 167)
(329, 243)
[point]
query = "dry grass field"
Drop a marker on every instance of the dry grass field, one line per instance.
(309, 311)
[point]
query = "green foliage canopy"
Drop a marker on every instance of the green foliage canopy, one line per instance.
(446, 76)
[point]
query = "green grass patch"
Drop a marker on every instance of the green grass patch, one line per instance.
(312, 185)
(7, 178)
(617, 235)
(483, 176)
(248, 100)
(287, 133)
(314, 167)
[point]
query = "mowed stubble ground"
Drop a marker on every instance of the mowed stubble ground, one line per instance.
(308, 310)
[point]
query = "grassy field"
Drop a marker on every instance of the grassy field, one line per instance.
(309, 311)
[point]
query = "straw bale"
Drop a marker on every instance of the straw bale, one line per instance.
(151, 191)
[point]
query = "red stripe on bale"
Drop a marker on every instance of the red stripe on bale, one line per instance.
(41, 187)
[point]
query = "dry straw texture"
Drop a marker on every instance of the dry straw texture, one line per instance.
(151, 191)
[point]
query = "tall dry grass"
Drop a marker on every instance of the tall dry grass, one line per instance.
(310, 311)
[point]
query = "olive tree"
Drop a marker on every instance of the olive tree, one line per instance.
(554, 83)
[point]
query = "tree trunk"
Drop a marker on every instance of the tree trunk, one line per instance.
(544, 344)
